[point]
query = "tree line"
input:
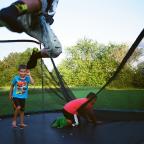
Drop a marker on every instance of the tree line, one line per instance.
(87, 63)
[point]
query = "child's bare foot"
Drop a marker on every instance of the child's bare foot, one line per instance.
(14, 124)
(22, 126)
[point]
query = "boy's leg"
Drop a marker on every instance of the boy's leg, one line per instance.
(16, 112)
(76, 121)
(17, 108)
(70, 118)
(52, 46)
(22, 103)
(21, 117)
(33, 5)
(22, 124)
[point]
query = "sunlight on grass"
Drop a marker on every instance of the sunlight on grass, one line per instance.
(43, 101)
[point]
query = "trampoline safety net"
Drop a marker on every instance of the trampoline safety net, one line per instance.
(118, 87)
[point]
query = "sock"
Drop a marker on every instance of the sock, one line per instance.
(38, 55)
(21, 7)
(76, 120)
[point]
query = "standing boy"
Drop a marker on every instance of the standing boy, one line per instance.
(19, 92)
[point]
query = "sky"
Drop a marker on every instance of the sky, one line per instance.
(104, 21)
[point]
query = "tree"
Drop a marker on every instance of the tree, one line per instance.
(89, 63)
(9, 67)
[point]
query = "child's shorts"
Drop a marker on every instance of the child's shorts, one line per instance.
(19, 102)
(68, 116)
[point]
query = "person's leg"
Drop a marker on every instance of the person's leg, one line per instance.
(22, 103)
(22, 124)
(69, 122)
(17, 108)
(76, 121)
(69, 117)
(21, 117)
(33, 5)
(52, 46)
(49, 40)
(16, 112)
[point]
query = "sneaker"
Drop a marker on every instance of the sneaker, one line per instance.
(10, 21)
(32, 62)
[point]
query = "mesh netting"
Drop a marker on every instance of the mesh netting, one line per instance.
(118, 86)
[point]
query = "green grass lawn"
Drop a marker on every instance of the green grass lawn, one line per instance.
(121, 99)
(107, 99)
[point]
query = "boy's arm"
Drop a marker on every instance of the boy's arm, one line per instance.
(11, 91)
(89, 115)
(31, 79)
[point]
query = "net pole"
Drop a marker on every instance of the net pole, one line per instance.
(125, 59)
(19, 40)
(42, 83)
(64, 90)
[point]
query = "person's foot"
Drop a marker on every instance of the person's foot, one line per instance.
(99, 122)
(22, 126)
(14, 124)
(32, 62)
(10, 21)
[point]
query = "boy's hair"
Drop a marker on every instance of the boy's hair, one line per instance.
(91, 95)
(22, 67)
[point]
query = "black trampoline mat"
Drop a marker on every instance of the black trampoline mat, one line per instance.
(39, 131)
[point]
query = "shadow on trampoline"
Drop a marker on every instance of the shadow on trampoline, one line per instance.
(110, 131)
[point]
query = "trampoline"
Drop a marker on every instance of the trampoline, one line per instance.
(116, 127)
(112, 130)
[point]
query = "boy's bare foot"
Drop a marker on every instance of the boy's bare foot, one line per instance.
(14, 124)
(22, 126)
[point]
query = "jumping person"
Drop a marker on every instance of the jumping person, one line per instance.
(19, 92)
(33, 17)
